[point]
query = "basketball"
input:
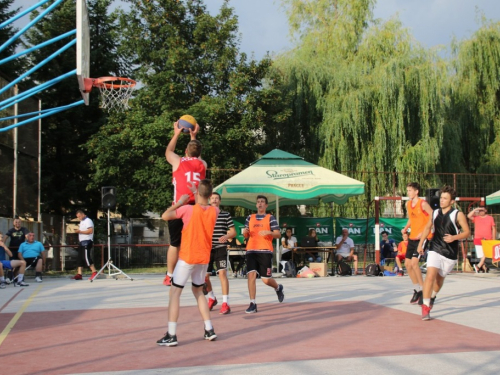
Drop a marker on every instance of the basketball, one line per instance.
(186, 123)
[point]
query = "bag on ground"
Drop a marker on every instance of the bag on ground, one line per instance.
(343, 269)
(373, 270)
(306, 272)
(289, 269)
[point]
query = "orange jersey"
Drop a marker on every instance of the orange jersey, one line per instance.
(418, 219)
(197, 235)
(403, 245)
(256, 241)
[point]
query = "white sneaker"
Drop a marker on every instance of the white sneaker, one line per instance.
(38, 279)
(7, 281)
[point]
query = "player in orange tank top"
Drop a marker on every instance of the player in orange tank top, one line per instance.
(184, 171)
(260, 229)
(199, 223)
(419, 214)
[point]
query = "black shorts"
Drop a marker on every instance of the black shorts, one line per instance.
(411, 250)
(31, 261)
(84, 254)
(262, 263)
(219, 256)
(175, 231)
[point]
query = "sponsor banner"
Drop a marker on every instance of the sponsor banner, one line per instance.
(363, 231)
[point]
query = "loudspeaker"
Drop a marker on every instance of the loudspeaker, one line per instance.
(432, 196)
(108, 195)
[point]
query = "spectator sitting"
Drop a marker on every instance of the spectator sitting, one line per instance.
(33, 252)
(345, 250)
(12, 264)
(240, 259)
(288, 243)
(402, 253)
(387, 246)
(315, 257)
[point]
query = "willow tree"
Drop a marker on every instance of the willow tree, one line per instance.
(474, 114)
(378, 92)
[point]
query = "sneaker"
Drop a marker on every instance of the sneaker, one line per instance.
(22, 283)
(92, 277)
(210, 335)
(3, 285)
(475, 268)
(426, 312)
(279, 292)
(421, 298)
(167, 281)
(168, 340)
(401, 273)
(38, 279)
(77, 277)
(416, 296)
(252, 308)
(433, 299)
(225, 309)
(7, 281)
(211, 303)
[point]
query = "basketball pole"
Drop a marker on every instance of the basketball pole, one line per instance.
(109, 264)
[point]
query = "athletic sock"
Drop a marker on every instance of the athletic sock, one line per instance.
(170, 274)
(427, 302)
(252, 301)
(172, 328)
(2, 279)
(434, 294)
(211, 294)
(225, 298)
(20, 277)
(208, 325)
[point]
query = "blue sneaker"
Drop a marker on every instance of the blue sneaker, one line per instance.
(279, 292)
(252, 308)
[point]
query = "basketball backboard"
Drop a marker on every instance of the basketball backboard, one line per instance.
(82, 47)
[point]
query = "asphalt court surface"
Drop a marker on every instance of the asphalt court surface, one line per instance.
(325, 325)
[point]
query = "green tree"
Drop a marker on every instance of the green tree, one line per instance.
(65, 166)
(187, 61)
(377, 92)
(13, 68)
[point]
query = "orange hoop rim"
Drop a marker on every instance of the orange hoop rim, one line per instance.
(107, 82)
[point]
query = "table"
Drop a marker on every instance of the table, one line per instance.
(311, 250)
(235, 251)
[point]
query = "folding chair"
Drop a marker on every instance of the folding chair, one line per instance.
(31, 265)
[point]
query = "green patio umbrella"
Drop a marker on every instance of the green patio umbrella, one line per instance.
(287, 179)
(493, 198)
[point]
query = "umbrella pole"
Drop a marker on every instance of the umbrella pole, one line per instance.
(278, 239)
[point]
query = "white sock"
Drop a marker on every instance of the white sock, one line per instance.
(211, 294)
(208, 325)
(20, 278)
(2, 279)
(417, 287)
(172, 328)
(434, 294)
(252, 301)
(170, 274)
(225, 298)
(427, 302)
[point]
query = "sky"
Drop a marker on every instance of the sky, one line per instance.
(264, 27)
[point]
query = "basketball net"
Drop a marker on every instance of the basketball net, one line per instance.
(115, 92)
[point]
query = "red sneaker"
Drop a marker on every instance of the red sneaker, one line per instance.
(167, 281)
(225, 309)
(77, 277)
(92, 277)
(426, 312)
(211, 303)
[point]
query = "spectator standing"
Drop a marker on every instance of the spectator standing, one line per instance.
(223, 232)
(17, 236)
(260, 229)
(33, 253)
(484, 229)
(185, 169)
(86, 243)
(345, 250)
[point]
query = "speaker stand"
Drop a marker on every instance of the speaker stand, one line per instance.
(109, 264)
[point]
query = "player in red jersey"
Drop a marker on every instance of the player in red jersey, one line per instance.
(185, 169)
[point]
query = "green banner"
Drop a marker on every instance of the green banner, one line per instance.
(300, 227)
(358, 228)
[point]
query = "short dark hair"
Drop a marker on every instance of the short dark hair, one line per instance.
(215, 193)
(193, 148)
(384, 232)
(261, 197)
(448, 189)
(414, 185)
(205, 188)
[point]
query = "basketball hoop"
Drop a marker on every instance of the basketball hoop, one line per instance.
(115, 91)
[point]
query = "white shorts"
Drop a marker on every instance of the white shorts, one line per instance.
(479, 251)
(183, 271)
(443, 264)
